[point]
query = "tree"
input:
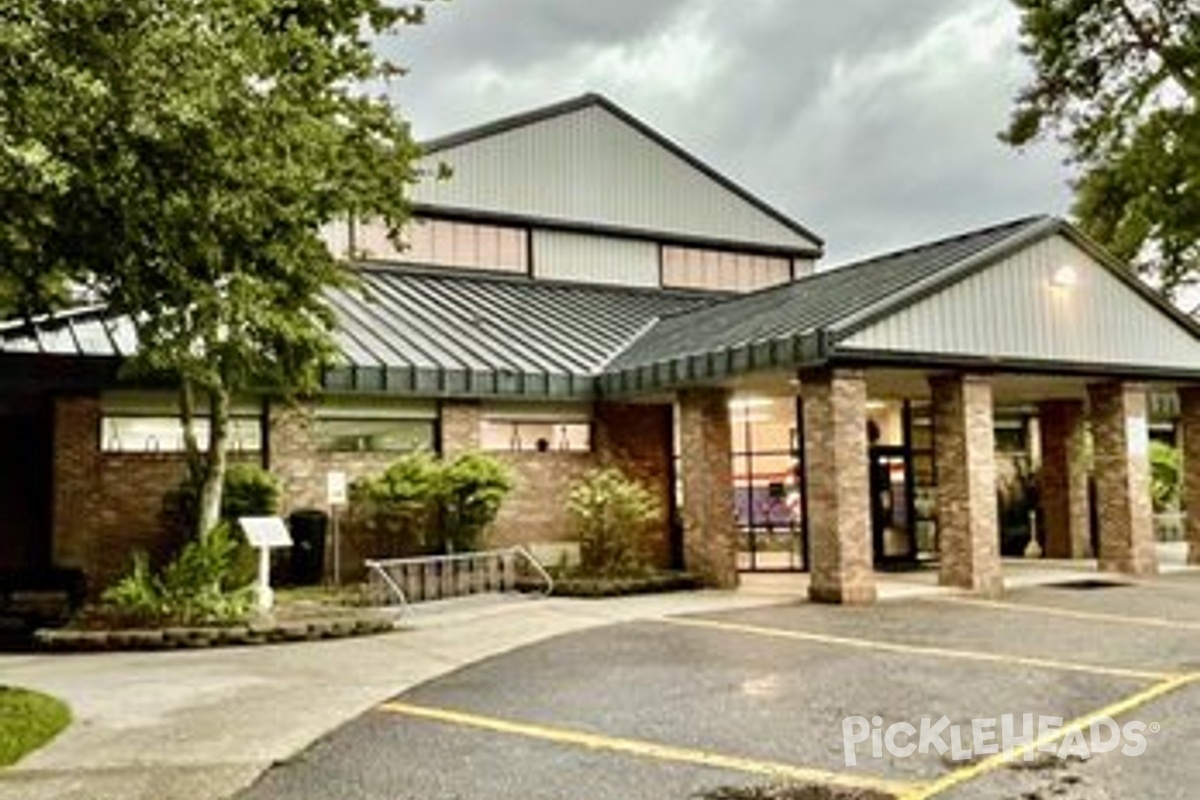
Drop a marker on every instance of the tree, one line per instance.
(176, 160)
(1119, 82)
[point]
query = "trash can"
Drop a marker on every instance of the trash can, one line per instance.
(308, 527)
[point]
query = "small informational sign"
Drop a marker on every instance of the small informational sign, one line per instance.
(266, 532)
(336, 488)
(1137, 431)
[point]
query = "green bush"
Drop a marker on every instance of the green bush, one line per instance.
(250, 491)
(611, 513)
(471, 489)
(203, 585)
(1165, 477)
(400, 504)
(427, 505)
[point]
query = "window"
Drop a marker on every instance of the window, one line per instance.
(522, 429)
(538, 437)
(164, 434)
(148, 422)
(374, 435)
(361, 426)
(441, 242)
(695, 268)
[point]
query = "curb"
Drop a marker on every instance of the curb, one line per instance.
(178, 638)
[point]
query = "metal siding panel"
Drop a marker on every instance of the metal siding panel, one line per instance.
(591, 167)
(1012, 310)
(594, 259)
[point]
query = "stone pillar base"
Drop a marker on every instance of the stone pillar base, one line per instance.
(835, 468)
(1120, 434)
(964, 452)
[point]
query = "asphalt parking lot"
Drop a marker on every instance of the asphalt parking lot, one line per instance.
(676, 708)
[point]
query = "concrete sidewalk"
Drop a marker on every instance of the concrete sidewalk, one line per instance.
(200, 725)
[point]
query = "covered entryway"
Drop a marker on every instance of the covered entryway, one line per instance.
(25, 489)
(900, 365)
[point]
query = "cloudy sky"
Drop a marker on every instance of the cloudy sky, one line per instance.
(873, 122)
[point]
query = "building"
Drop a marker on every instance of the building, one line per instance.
(582, 291)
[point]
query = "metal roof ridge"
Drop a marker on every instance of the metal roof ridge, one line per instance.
(602, 368)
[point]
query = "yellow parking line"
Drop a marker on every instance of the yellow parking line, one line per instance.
(649, 750)
(991, 763)
(920, 650)
(1056, 611)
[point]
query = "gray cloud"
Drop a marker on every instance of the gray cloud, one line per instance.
(873, 123)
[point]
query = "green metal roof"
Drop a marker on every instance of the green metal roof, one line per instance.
(466, 333)
(436, 332)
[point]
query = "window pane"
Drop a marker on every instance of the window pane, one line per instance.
(373, 436)
(165, 435)
(535, 436)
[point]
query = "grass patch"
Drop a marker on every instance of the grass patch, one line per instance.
(28, 720)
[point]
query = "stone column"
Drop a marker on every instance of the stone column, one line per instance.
(1064, 479)
(1189, 402)
(1121, 442)
(460, 421)
(706, 475)
(835, 468)
(965, 460)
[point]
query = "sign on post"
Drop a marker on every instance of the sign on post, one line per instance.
(336, 489)
(265, 533)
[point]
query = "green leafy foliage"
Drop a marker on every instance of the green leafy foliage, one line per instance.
(203, 585)
(250, 491)
(177, 161)
(1119, 82)
(471, 489)
(1166, 477)
(429, 505)
(401, 503)
(611, 513)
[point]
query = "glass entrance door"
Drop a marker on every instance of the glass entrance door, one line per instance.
(892, 518)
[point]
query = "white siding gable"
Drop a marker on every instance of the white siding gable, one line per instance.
(1014, 310)
(591, 167)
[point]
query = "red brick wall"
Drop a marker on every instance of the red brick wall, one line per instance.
(106, 505)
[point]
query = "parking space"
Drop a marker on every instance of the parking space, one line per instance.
(676, 708)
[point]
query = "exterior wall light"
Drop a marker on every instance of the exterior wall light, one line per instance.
(1065, 277)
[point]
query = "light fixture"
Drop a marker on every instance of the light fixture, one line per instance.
(1065, 277)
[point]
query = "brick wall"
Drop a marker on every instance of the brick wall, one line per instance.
(706, 473)
(1122, 463)
(639, 440)
(1190, 426)
(1064, 479)
(106, 505)
(835, 464)
(965, 455)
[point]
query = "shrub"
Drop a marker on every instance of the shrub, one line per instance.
(250, 491)
(611, 513)
(201, 586)
(471, 489)
(400, 504)
(427, 505)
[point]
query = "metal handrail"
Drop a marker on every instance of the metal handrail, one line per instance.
(383, 567)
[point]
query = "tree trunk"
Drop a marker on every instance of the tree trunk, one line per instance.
(191, 446)
(211, 488)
